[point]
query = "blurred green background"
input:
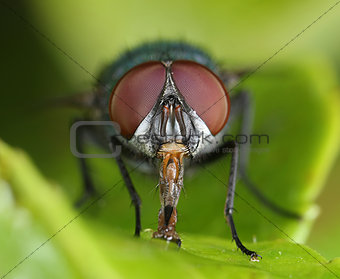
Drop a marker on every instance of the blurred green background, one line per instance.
(46, 45)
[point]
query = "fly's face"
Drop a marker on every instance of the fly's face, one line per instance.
(167, 109)
(180, 102)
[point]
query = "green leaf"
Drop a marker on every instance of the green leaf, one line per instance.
(35, 212)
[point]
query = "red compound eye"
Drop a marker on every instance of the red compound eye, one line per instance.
(204, 92)
(135, 94)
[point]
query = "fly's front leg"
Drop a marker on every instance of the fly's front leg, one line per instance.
(229, 205)
(136, 200)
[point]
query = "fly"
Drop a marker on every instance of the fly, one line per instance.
(171, 103)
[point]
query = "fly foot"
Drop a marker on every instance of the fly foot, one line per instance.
(254, 257)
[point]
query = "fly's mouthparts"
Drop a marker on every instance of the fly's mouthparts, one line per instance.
(170, 185)
(167, 214)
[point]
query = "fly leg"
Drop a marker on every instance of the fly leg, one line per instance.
(89, 189)
(88, 186)
(135, 199)
(229, 205)
(243, 106)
